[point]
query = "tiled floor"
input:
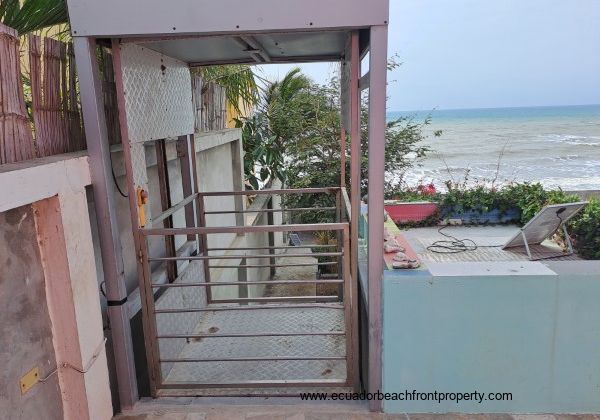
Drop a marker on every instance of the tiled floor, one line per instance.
(152, 411)
(489, 240)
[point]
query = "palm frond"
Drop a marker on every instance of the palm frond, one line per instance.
(32, 15)
(238, 80)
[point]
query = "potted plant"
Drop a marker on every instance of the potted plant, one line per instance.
(478, 205)
(325, 237)
(413, 206)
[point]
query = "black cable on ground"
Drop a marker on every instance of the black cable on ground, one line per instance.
(453, 245)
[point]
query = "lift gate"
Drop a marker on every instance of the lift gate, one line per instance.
(200, 340)
(202, 334)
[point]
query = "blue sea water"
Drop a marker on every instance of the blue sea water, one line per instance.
(558, 146)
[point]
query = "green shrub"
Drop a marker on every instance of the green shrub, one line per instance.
(585, 231)
(325, 237)
(531, 198)
(478, 198)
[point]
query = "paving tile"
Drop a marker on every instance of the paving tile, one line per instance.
(295, 416)
(221, 414)
(196, 416)
(402, 416)
(265, 416)
(136, 417)
(318, 415)
(312, 413)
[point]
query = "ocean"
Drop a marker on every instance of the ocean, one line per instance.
(558, 146)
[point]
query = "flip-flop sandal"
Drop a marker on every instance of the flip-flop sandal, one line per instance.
(405, 264)
(401, 260)
(388, 249)
(400, 256)
(401, 264)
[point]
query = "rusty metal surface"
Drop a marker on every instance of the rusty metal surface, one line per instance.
(246, 229)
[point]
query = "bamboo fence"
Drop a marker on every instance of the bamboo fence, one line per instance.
(54, 99)
(16, 140)
(209, 104)
(45, 118)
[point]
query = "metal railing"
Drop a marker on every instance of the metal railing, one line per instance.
(214, 258)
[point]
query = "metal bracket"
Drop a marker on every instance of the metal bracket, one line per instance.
(564, 254)
(29, 380)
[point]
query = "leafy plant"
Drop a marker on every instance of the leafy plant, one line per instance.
(299, 121)
(325, 237)
(239, 82)
(530, 198)
(32, 15)
(478, 198)
(263, 158)
(585, 231)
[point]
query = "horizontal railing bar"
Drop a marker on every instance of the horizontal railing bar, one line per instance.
(243, 229)
(328, 190)
(279, 299)
(272, 210)
(347, 205)
(256, 248)
(247, 283)
(250, 308)
(257, 384)
(173, 209)
(273, 265)
(265, 334)
(252, 359)
(249, 256)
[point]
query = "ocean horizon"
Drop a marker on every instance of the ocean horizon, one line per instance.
(558, 146)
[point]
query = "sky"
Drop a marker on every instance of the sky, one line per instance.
(486, 54)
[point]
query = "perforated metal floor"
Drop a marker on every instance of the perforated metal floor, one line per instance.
(280, 320)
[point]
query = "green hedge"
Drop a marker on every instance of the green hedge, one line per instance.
(529, 198)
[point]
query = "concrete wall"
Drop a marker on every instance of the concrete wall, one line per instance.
(527, 328)
(219, 166)
(157, 246)
(25, 326)
(49, 292)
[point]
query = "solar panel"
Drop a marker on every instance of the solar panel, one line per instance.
(544, 224)
(294, 239)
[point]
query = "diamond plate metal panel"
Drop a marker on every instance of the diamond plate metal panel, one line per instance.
(158, 94)
(263, 320)
(180, 323)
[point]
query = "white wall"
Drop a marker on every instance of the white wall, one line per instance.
(220, 168)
